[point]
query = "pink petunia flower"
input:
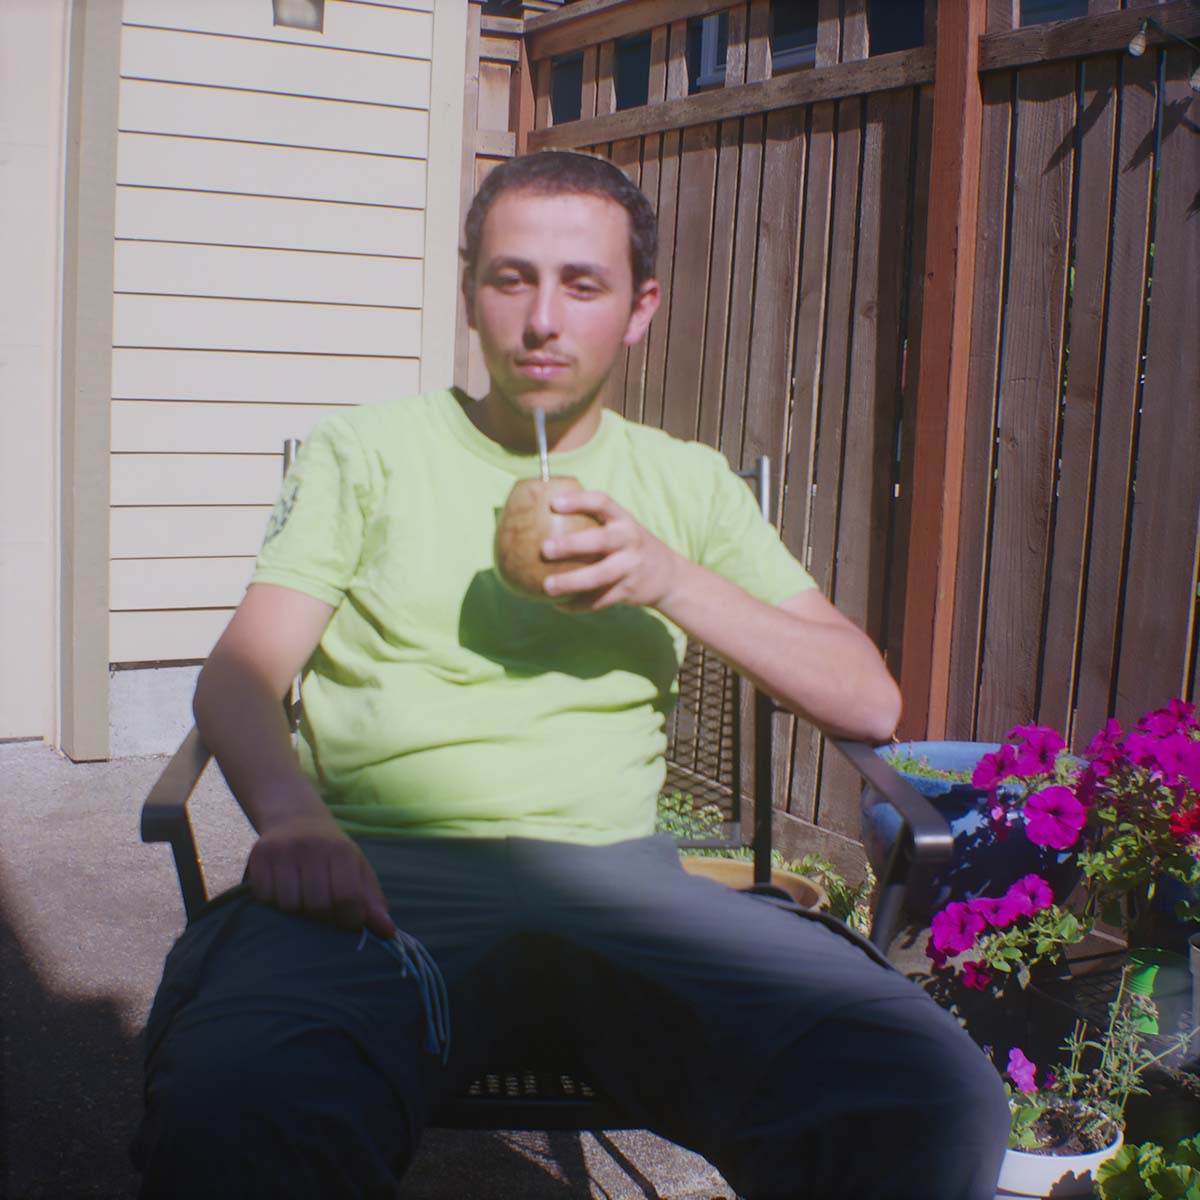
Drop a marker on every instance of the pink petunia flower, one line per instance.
(994, 767)
(1106, 745)
(1021, 1071)
(1142, 750)
(1179, 757)
(975, 975)
(998, 911)
(955, 928)
(1176, 716)
(1053, 817)
(1039, 749)
(1030, 895)
(936, 956)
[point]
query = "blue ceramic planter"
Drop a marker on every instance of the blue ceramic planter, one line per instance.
(982, 863)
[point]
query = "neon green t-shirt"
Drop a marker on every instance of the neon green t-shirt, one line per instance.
(437, 702)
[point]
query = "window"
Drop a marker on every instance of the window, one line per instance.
(566, 87)
(793, 34)
(632, 71)
(708, 45)
(896, 25)
(1034, 12)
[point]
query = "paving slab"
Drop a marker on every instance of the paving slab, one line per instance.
(87, 915)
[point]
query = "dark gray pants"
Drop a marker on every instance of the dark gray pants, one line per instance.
(287, 1058)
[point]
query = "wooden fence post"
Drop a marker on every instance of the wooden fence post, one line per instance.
(944, 356)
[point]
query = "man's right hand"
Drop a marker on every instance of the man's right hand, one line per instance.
(305, 864)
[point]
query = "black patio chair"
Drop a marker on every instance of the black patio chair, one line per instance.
(706, 739)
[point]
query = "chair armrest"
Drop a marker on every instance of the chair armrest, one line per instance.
(932, 839)
(925, 837)
(165, 817)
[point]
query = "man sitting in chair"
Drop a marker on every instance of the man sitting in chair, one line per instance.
(459, 866)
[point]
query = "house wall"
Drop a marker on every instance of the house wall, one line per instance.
(33, 66)
(273, 257)
(271, 190)
(277, 193)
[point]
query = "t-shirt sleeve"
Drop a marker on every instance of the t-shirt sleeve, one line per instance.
(743, 547)
(314, 537)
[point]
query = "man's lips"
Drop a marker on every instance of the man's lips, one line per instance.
(541, 368)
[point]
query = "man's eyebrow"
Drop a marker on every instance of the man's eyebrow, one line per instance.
(585, 268)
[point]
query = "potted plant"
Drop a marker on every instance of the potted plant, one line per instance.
(1065, 1128)
(1125, 814)
(813, 882)
(986, 858)
(1148, 1171)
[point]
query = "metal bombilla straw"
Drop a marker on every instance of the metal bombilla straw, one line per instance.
(539, 421)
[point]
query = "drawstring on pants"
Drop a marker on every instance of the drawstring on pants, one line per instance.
(414, 958)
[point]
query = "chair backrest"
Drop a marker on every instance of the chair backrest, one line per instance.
(705, 732)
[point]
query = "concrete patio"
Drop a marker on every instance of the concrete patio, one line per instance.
(87, 914)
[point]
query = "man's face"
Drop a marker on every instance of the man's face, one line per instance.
(554, 303)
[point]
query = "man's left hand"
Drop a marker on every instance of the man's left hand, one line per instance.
(634, 567)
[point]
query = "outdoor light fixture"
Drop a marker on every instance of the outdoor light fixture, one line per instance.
(300, 14)
(1137, 46)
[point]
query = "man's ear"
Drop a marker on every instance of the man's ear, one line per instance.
(468, 291)
(645, 304)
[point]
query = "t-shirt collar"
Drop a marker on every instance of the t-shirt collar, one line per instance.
(562, 462)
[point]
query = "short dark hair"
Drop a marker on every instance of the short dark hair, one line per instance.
(553, 172)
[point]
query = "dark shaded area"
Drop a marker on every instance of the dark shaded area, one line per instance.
(70, 1087)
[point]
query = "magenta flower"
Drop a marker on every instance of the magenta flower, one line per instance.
(1142, 750)
(1039, 749)
(936, 956)
(998, 911)
(1106, 744)
(1085, 785)
(1179, 758)
(976, 975)
(1021, 1071)
(1030, 895)
(1176, 717)
(955, 928)
(1053, 817)
(994, 767)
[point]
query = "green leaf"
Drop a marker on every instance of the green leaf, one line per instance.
(1119, 1178)
(1175, 1183)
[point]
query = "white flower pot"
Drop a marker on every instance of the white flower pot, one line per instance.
(1025, 1174)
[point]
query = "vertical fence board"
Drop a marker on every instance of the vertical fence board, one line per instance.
(910, 372)
(716, 330)
(1080, 410)
(875, 364)
(693, 239)
(1138, 101)
(588, 88)
(1160, 597)
(742, 291)
(635, 371)
(1029, 384)
(835, 358)
(835, 367)
(768, 388)
(981, 407)
(626, 154)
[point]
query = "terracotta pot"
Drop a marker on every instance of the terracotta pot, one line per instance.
(1025, 1174)
(738, 873)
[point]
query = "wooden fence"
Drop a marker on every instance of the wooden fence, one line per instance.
(1076, 588)
(794, 217)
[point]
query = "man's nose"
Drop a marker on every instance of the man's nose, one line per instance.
(545, 315)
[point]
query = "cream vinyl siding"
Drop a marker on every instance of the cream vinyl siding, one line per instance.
(268, 269)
